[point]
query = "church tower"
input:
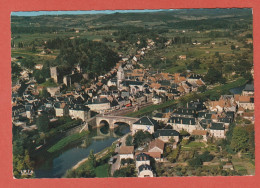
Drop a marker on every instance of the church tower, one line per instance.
(120, 76)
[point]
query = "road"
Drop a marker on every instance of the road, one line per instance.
(116, 165)
(126, 110)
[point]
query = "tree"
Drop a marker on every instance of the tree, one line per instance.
(92, 159)
(140, 138)
(195, 162)
(240, 139)
(206, 156)
(129, 140)
(28, 63)
(172, 157)
(44, 93)
(251, 141)
(184, 133)
(228, 68)
(16, 69)
(213, 76)
(42, 123)
(128, 171)
(202, 88)
(33, 48)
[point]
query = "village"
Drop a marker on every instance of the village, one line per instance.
(128, 87)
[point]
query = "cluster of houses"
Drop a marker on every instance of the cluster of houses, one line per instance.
(201, 120)
(143, 159)
(124, 86)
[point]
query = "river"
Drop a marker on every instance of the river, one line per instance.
(57, 166)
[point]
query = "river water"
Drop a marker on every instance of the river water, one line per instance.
(56, 167)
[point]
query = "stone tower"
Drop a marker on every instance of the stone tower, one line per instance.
(120, 76)
(54, 74)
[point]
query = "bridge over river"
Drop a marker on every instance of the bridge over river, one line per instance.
(112, 121)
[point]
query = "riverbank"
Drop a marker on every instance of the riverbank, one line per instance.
(102, 158)
(66, 141)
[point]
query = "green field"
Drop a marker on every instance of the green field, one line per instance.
(102, 171)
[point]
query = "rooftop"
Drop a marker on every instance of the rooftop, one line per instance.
(126, 150)
(157, 143)
(146, 121)
(166, 132)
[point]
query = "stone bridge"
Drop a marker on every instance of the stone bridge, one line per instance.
(113, 120)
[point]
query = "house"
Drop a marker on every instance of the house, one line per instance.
(193, 78)
(182, 57)
(145, 171)
(79, 111)
(156, 145)
(240, 110)
(185, 112)
(112, 82)
(38, 66)
(217, 130)
(248, 90)
(142, 159)
(249, 115)
(155, 155)
(161, 117)
(98, 104)
(200, 133)
(222, 104)
(247, 102)
(18, 110)
(126, 152)
(156, 99)
(167, 134)
(29, 111)
(145, 124)
(182, 123)
(61, 109)
(228, 166)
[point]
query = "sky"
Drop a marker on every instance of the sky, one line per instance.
(38, 13)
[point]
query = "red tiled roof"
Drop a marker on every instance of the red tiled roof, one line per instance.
(199, 132)
(99, 84)
(245, 99)
(156, 143)
(126, 150)
(155, 155)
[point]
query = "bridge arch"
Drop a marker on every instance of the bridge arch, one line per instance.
(112, 120)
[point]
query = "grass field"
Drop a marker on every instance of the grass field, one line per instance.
(243, 165)
(49, 83)
(102, 171)
(193, 145)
